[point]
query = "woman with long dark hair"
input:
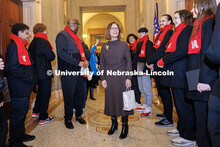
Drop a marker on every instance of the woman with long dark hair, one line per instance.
(175, 60)
(205, 73)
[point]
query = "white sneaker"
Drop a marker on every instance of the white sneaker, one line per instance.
(173, 132)
(147, 112)
(138, 105)
(142, 108)
(183, 142)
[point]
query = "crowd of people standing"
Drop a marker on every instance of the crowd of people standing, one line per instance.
(186, 44)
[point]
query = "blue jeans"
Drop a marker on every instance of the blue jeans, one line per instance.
(19, 110)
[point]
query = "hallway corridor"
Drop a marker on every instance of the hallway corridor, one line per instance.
(142, 131)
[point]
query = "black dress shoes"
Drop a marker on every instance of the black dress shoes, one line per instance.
(92, 98)
(17, 144)
(160, 116)
(69, 125)
(81, 120)
(28, 138)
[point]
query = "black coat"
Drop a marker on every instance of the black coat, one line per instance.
(177, 61)
(21, 78)
(213, 52)
(160, 52)
(208, 71)
(42, 56)
(148, 53)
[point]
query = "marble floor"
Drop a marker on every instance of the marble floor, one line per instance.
(142, 131)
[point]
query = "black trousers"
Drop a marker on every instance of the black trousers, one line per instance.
(19, 110)
(136, 89)
(201, 111)
(73, 93)
(3, 128)
(167, 101)
(43, 97)
(165, 94)
(214, 120)
(186, 117)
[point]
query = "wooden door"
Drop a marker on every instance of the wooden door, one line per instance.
(11, 13)
(189, 4)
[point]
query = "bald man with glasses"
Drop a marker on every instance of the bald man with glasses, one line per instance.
(71, 57)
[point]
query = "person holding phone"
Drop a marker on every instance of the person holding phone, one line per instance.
(93, 62)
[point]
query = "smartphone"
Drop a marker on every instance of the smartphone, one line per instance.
(99, 38)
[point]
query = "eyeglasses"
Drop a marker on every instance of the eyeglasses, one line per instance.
(74, 24)
(114, 28)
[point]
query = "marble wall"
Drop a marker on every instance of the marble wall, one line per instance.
(52, 14)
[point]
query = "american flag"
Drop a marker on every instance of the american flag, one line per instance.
(156, 22)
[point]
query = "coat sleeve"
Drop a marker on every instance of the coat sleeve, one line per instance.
(93, 49)
(102, 63)
(207, 73)
(46, 50)
(149, 50)
(213, 52)
(182, 48)
(160, 52)
(128, 60)
(13, 67)
(61, 44)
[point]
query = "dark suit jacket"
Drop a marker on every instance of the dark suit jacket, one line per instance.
(42, 56)
(177, 61)
(213, 52)
(208, 71)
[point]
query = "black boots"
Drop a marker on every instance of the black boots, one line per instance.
(114, 126)
(124, 130)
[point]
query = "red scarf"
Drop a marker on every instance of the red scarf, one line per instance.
(23, 56)
(133, 46)
(143, 48)
(77, 41)
(43, 36)
(195, 42)
(159, 38)
(171, 45)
